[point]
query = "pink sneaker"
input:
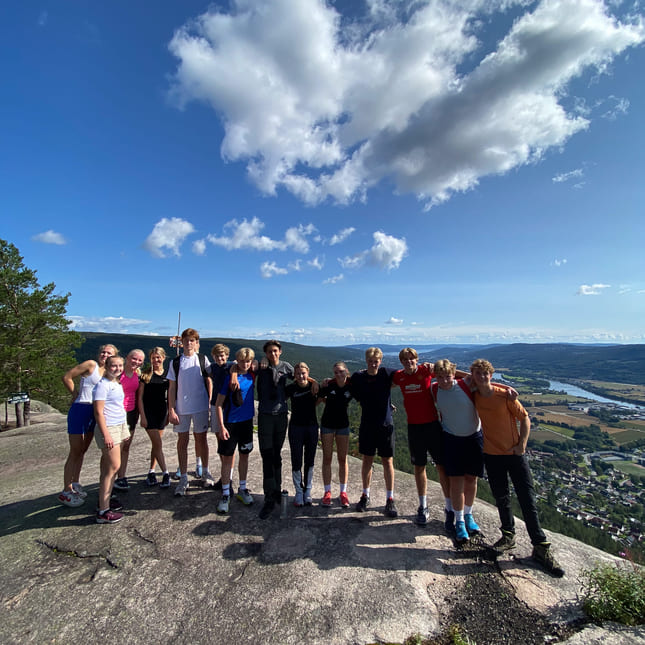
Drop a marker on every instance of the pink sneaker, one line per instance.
(326, 500)
(109, 517)
(344, 500)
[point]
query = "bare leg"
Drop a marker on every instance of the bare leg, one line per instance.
(366, 470)
(110, 463)
(388, 472)
(444, 480)
(470, 489)
(226, 469)
(243, 466)
(342, 445)
(327, 440)
(457, 493)
(125, 454)
(182, 451)
(78, 445)
(201, 447)
(156, 452)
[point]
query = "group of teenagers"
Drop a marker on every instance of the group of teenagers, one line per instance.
(463, 420)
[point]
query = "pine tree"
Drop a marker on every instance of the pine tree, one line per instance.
(36, 345)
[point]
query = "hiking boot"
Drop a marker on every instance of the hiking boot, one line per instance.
(344, 500)
(363, 503)
(543, 555)
(198, 471)
(165, 481)
(421, 518)
(267, 509)
(244, 496)
(307, 497)
(222, 507)
(207, 479)
(505, 543)
(449, 522)
(70, 498)
(461, 532)
(122, 483)
(326, 499)
(109, 517)
(471, 525)
(390, 508)
(182, 486)
(299, 499)
(79, 490)
(151, 479)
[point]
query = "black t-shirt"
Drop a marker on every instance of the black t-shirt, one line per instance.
(303, 405)
(337, 399)
(373, 394)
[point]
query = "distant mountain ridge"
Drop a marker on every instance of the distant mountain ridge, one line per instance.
(619, 363)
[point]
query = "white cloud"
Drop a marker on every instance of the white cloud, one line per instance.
(317, 263)
(326, 105)
(334, 279)
(388, 251)
(270, 269)
(295, 266)
(296, 237)
(168, 234)
(619, 107)
(592, 289)
(565, 176)
(341, 236)
(112, 324)
(50, 237)
(394, 321)
(199, 247)
(559, 263)
(353, 261)
(42, 18)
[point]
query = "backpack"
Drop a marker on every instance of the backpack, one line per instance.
(434, 387)
(202, 365)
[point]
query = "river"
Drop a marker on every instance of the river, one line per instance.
(574, 390)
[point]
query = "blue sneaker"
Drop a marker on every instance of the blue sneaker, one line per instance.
(461, 532)
(471, 525)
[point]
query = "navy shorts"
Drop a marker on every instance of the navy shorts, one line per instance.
(80, 418)
(373, 440)
(463, 455)
(424, 438)
(240, 434)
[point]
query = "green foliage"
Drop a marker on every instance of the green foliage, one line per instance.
(457, 638)
(616, 593)
(36, 346)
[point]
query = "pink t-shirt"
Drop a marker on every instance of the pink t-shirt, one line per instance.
(130, 386)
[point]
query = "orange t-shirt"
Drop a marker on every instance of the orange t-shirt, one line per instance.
(499, 416)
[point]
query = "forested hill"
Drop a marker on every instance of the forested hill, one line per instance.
(618, 363)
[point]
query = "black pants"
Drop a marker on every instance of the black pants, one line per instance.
(499, 469)
(303, 438)
(272, 430)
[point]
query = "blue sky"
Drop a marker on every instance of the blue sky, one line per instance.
(407, 172)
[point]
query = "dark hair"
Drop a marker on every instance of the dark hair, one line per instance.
(271, 342)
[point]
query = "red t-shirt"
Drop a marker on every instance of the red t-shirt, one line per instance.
(417, 398)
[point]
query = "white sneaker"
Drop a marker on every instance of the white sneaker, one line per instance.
(244, 496)
(80, 491)
(307, 497)
(222, 507)
(70, 498)
(182, 486)
(298, 500)
(207, 479)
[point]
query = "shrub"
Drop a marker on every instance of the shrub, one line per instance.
(615, 592)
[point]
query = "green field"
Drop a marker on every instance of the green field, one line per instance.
(626, 436)
(543, 435)
(567, 432)
(628, 467)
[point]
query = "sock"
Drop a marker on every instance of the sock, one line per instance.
(366, 491)
(231, 479)
(423, 502)
(165, 472)
(343, 488)
(328, 488)
(459, 516)
(152, 470)
(242, 484)
(199, 461)
(448, 503)
(226, 489)
(389, 495)
(468, 510)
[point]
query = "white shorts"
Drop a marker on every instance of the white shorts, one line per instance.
(119, 434)
(199, 419)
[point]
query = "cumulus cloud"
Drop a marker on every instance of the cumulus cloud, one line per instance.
(199, 247)
(341, 236)
(50, 237)
(394, 321)
(592, 289)
(168, 234)
(565, 176)
(327, 105)
(618, 107)
(334, 279)
(316, 263)
(270, 269)
(559, 263)
(386, 253)
(112, 324)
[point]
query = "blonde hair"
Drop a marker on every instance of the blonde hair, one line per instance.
(444, 366)
(408, 352)
(108, 362)
(220, 349)
(483, 365)
(373, 352)
(301, 366)
(146, 375)
(244, 354)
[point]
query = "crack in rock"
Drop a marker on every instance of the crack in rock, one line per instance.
(78, 554)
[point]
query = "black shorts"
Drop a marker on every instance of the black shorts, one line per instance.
(157, 420)
(463, 455)
(131, 418)
(424, 438)
(240, 435)
(373, 440)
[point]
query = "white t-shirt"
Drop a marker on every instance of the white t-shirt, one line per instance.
(112, 393)
(192, 396)
(458, 414)
(87, 384)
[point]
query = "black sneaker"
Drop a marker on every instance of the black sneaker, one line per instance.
(165, 481)
(151, 479)
(267, 509)
(449, 522)
(363, 503)
(542, 553)
(505, 543)
(421, 518)
(122, 484)
(390, 508)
